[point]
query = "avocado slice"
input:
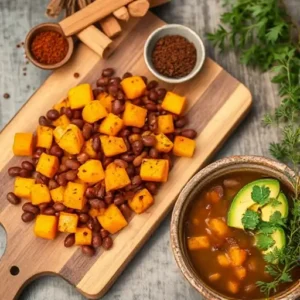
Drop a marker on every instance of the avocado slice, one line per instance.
(242, 201)
(268, 210)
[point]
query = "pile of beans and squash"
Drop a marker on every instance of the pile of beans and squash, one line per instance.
(98, 156)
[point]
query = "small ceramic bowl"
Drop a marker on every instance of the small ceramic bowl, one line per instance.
(47, 27)
(222, 167)
(174, 29)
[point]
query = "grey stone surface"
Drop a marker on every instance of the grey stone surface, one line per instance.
(153, 274)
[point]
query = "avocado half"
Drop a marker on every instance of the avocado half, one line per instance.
(242, 201)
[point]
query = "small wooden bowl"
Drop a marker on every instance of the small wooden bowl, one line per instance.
(222, 167)
(47, 27)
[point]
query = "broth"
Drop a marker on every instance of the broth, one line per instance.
(234, 281)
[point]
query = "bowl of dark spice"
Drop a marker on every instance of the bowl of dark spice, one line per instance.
(174, 53)
(47, 47)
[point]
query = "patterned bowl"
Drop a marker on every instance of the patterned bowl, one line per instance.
(219, 168)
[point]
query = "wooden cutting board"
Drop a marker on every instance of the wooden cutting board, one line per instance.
(217, 102)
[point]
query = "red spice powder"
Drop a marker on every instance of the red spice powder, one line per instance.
(49, 47)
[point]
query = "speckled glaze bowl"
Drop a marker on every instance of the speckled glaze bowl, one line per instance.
(219, 168)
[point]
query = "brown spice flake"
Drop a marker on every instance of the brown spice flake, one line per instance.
(76, 75)
(6, 96)
(174, 56)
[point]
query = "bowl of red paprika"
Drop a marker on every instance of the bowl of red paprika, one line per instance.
(47, 47)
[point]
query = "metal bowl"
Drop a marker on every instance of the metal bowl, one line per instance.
(220, 168)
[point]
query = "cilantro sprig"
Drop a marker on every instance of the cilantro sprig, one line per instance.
(250, 219)
(260, 194)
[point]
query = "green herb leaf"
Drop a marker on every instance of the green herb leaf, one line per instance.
(250, 219)
(263, 241)
(266, 228)
(260, 194)
(274, 202)
(276, 219)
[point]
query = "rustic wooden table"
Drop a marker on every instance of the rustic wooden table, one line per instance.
(153, 273)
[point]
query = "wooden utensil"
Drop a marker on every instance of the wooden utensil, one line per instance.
(217, 102)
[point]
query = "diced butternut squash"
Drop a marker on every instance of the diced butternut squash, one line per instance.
(223, 260)
(141, 201)
(63, 120)
(184, 146)
(213, 196)
(214, 277)
(233, 286)
(67, 222)
(198, 242)
(106, 100)
(173, 103)
(57, 194)
(83, 236)
(112, 220)
(218, 226)
(65, 103)
(69, 138)
(93, 212)
(46, 227)
(240, 272)
(237, 255)
(47, 165)
(112, 145)
(23, 186)
(88, 149)
(44, 137)
(91, 171)
(93, 112)
(165, 124)
(23, 144)
(134, 115)
(154, 170)
(111, 125)
(133, 87)
(40, 194)
(163, 143)
(79, 96)
(74, 195)
(115, 177)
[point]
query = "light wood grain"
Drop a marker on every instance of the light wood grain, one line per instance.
(122, 14)
(110, 26)
(214, 98)
(138, 8)
(89, 15)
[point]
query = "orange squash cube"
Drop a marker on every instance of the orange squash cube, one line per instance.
(79, 96)
(154, 170)
(74, 195)
(173, 103)
(44, 137)
(133, 87)
(47, 165)
(198, 242)
(223, 260)
(214, 277)
(112, 220)
(163, 143)
(65, 103)
(184, 146)
(93, 112)
(240, 272)
(88, 149)
(134, 115)
(91, 171)
(165, 124)
(141, 201)
(233, 286)
(23, 186)
(45, 227)
(40, 194)
(112, 145)
(63, 120)
(23, 144)
(57, 194)
(111, 125)
(106, 100)
(237, 255)
(67, 222)
(83, 236)
(93, 212)
(218, 227)
(115, 177)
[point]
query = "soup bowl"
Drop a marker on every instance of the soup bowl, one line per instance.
(226, 166)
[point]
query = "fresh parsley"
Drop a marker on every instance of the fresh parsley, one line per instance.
(250, 219)
(260, 194)
(264, 241)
